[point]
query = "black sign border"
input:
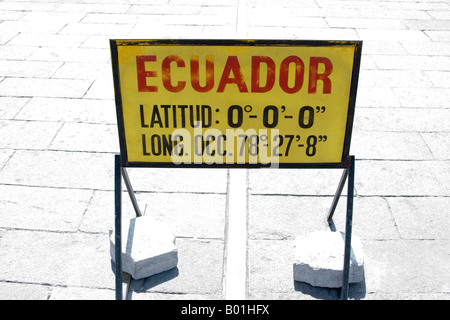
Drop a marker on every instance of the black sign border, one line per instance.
(114, 43)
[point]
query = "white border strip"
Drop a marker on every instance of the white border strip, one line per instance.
(235, 282)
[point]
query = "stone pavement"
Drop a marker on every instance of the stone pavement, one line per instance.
(58, 138)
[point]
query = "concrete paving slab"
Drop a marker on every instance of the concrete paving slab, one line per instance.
(99, 214)
(400, 178)
(402, 120)
(23, 291)
(7, 35)
(404, 62)
(178, 180)
(367, 63)
(22, 134)
(12, 15)
(290, 181)
(112, 30)
(441, 170)
(53, 16)
(267, 255)
(441, 14)
(74, 259)
(96, 42)
(38, 87)
(86, 137)
(50, 209)
(317, 22)
(102, 88)
(281, 217)
(318, 33)
(416, 266)
(439, 78)
(68, 110)
(46, 40)
(426, 48)
(365, 23)
(438, 144)
(45, 26)
(394, 35)
(200, 20)
(437, 35)
(59, 169)
(16, 52)
(83, 70)
(92, 7)
(373, 218)
(32, 6)
(390, 145)
(70, 55)
(429, 98)
(394, 79)
(39, 69)
(167, 296)
(379, 46)
(142, 31)
(285, 217)
(421, 217)
(201, 276)
(77, 293)
(189, 215)
(406, 296)
(162, 9)
(116, 18)
(5, 155)
(10, 106)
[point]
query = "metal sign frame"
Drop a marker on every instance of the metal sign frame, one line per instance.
(347, 161)
(114, 44)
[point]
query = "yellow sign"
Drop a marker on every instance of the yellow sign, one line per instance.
(227, 103)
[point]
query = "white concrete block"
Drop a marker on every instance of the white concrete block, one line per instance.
(148, 247)
(319, 259)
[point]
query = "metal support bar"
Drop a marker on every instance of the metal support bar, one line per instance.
(337, 195)
(131, 192)
(118, 225)
(348, 229)
(127, 278)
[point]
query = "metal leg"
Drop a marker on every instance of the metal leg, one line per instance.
(348, 229)
(336, 198)
(118, 225)
(131, 192)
